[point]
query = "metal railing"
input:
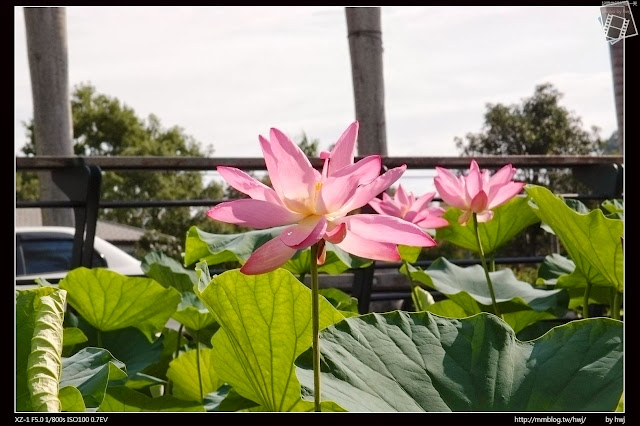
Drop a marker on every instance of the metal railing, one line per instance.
(604, 174)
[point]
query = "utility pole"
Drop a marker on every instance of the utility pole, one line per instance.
(365, 46)
(53, 129)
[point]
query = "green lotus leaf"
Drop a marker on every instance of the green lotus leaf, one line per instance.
(467, 284)
(188, 384)
(28, 303)
(615, 209)
(421, 298)
(123, 399)
(347, 305)
(265, 323)
(299, 264)
(111, 301)
(508, 221)
(45, 360)
(71, 399)
(73, 336)
(219, 248)
(192, 313)
(593, 241)
(89, 371)
(557, 271)
(409, 254)
(400, 361)
(226, 399)
(127, 345)
(462, 305)
(168, 272)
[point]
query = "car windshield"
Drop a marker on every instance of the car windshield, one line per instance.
(42, 256)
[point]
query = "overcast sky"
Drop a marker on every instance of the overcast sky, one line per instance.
(228, 74)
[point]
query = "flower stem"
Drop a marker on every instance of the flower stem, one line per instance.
(615, 306)
(315, 318)
(585, 301)
(175, 355)
(484, 266)
(416, 301)
(198, 364)
(179, 340)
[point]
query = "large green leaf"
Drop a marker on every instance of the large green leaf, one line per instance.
(337, 261)
(402, 361)
(511, 294)
(123, 399)
(188, 384)
(219, 248)
(27, 304)
(508, 221)
(557, 271)
(226, 399)
(168, 272)
(110, 301)
(71, 399)
(347, 305)
(592, 241)
(73, 336)
(193, 313)
(265, 323)
(44, 364)
(89, 371)
(462, 305)
(615, 209)
(158, 369)
(127, 345)
(553, 267)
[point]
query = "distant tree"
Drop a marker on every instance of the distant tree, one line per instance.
(613, 144)
(309, 146)
(538, 126)
(105, 126)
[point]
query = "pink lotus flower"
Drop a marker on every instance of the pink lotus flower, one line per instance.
(477, 192)
(405, 206)
(316, 204)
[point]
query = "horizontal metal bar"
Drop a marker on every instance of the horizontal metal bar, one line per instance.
(205, 203)
(44, 162)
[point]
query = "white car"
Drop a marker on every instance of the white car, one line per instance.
(46, 251)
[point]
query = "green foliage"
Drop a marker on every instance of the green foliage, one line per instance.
(123, 399)
(96, 295)
(215, 249)
(468, 294)
(89, 371)
(235, 249)
(129, 345)
(347, 305)
(44, 365)
(28, 303)
(593, 241)
(183, 372)
(265, 323)
(509, 220)
(401, 361)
